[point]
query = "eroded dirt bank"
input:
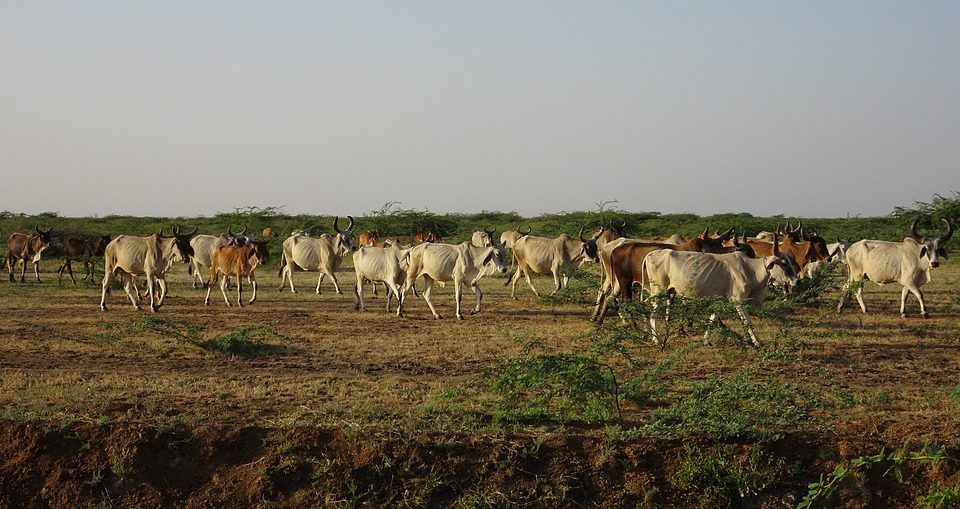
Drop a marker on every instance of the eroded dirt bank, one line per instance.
(130, 466)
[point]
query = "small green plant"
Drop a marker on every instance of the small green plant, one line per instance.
(941, 497)
(721, 475)
(822, 491)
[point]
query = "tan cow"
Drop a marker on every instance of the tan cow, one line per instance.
(150, 256)
(240, 262)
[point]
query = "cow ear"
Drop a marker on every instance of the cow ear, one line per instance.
(923, 250)
(943, 253)
(488, 257)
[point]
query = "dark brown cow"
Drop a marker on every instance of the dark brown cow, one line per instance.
(81, 249)
(626, 265)
(22, 247)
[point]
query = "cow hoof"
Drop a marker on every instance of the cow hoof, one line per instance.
(438, 317)
(206, 303)
(103, 308)
(925, 314)
(903, 315)
(459, 317)
(475, 311)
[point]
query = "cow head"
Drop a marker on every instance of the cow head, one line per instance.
(100, 245)
(743, 247)
(182, 249)
(238, 239)
(258, 248)
(590, 248)
(345, 236)
(933, 248)
(498, 257)
(42, 236)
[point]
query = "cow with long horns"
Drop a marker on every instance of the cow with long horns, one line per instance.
(22, 247)
(907, 263)
(558, 257)
(151, 256)
(323, 254)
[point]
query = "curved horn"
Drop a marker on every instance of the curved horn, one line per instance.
(946, 236)
(230, 232)
(244, 232)
(913, 231)
(336, 228)
(161, 232)
(529, 229)
(176, 229)
(706, 233)
(490, 231)
(581, 235)
(37, 228)
(838, 240)
(729, 233)
(350, 226)
(187, 234)
(51, 229)
(776, 245)
(623, 223)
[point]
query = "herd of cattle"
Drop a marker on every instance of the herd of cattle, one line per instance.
(719, 264)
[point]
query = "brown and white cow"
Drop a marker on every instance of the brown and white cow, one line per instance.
(150, 256)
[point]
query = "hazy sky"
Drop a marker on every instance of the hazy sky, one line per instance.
(183, 108)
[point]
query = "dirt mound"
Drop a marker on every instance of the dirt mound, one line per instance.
(86, 465)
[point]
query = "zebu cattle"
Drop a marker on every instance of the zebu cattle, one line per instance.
(422, 237)
(908, 263)
(812, 248)
(735, 276)
(368, 238)
(22, 247)
(237, 261)
(386, 265)
(558, 257)
(628, 264)
(322, 254)
(204, 247)
(461, 263)
(483, 238)
(510, 237)
(150, 256)
(838, 249)
(82, 250)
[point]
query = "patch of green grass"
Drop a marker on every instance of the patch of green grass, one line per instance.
(719, 476)
(748, 405)
(941, 497)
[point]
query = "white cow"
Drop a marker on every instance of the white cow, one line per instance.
(386, 265)
(483, 238)
(838, 249)
(323, 254)
(462, 263)
(150, 256)
(908, 263)
(204, 246)
(735, 276)
(539, 255)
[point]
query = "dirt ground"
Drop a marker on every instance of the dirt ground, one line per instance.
(97, 412)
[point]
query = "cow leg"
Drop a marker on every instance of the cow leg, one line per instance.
(557, 281)
(206, 300)
(918, 293)
(162, 283)
(152, 290)
(131, 283)
(320, 280)
(36, 269)
(653, 323)
(526, 275)
(239, 290)
(748, 324)
(374, 284)
(706, 333)
(223, 290)
(427, 292)
(479, 294)
(336, 284)
(903, 302)
(393, 287)
(10, 268)
(197, 276)
(458, 295)
(23, 271)
(103, 293)
(87, 270)
(254, 284)
(60, 271)
(288, 273)
(70, 271)
(863, 307)
(358, 295)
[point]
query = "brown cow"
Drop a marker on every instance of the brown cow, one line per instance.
(22, 247)
(240, 262)
(623, 264)
(422, 237)
(368, 238)
(81, 249)
(813, 248)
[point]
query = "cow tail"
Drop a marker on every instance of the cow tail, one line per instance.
(643, 276)
(283, 263)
